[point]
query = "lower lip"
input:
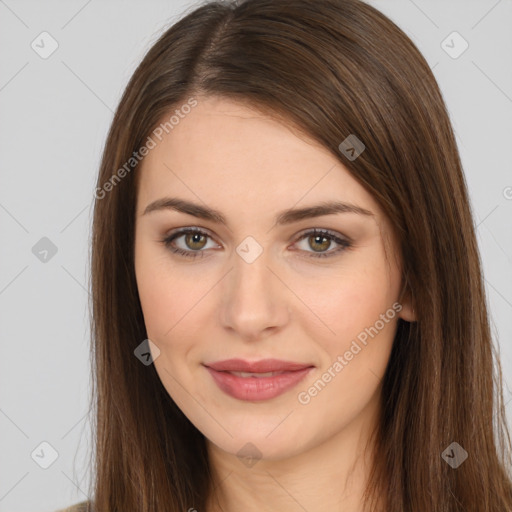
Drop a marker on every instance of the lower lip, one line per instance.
(257, 388)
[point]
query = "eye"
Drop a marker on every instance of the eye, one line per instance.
(195, 240)
(320, 240)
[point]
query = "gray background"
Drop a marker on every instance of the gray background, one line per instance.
(55, 117)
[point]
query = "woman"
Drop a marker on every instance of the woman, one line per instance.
(288, 307)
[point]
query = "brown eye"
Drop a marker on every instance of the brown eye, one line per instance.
(192, 242)
(195, 240)
(320, 240)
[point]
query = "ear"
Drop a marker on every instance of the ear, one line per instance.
(407, 312)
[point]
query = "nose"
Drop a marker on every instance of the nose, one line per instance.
(254, 300)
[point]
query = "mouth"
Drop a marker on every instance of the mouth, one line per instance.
(257, 380)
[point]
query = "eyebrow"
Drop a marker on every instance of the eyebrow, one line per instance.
(284, 217)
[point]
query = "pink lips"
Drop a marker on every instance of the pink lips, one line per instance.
(256, 388)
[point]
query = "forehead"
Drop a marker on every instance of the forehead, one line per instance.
(224, 151)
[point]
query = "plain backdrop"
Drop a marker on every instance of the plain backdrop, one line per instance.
(55, 114)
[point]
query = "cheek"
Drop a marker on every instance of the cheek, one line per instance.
(353, 317)
(347, 301)
(157, 291)
(171, 300)
(357, 308)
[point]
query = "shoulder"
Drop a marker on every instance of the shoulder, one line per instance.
(84, 506)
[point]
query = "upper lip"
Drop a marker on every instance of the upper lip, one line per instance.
(261, 366)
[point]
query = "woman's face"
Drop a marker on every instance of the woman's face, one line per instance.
(261, 284)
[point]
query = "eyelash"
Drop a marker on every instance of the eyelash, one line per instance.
(345, 244)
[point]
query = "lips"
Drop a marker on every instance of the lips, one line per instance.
(257, 380)
(261, 366)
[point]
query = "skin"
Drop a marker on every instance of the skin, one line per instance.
(286, 304)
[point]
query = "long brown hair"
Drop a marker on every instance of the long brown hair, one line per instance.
(331, 68)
